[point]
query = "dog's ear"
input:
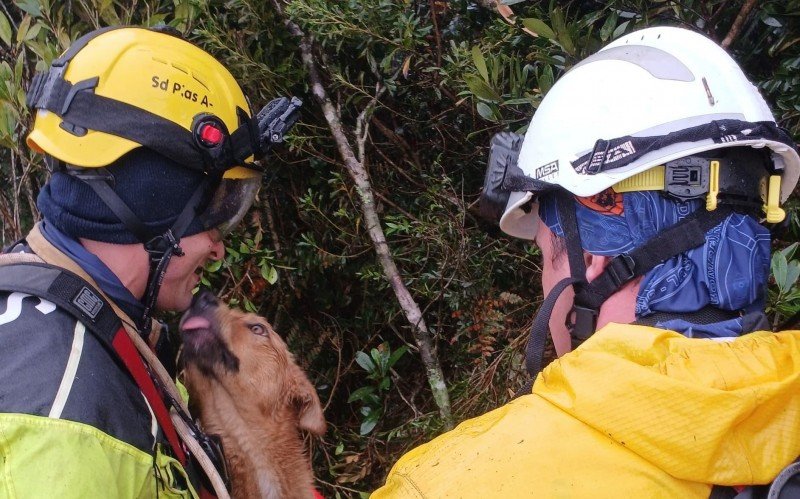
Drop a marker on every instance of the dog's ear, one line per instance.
(303, 397)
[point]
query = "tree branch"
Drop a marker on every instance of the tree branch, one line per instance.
(361, 179)
(737, 23)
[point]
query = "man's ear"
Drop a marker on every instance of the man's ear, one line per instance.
(595, 264)
(303, 398)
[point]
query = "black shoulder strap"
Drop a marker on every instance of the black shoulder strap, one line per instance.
(67, 290)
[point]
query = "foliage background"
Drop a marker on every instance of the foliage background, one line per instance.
(455, 73)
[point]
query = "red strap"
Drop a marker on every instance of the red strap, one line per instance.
(317, 495)
(130, 357)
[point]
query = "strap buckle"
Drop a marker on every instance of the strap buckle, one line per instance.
(598, 157)
(583, 327)
(621, 269)
(160, 245)
(212, 446)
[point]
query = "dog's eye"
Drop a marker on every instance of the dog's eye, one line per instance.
(258, 329)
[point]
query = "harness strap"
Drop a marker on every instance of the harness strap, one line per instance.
(565, 203)
(130, 357)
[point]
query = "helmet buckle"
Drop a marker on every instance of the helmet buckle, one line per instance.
(621, 269)
(688, 178)
(774, 213)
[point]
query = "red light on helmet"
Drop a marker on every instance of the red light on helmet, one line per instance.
(210, 135)
(209, 131)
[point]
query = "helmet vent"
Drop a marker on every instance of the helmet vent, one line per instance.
(182, 69)
(200, 80)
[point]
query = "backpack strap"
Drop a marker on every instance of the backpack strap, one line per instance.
(81, 300)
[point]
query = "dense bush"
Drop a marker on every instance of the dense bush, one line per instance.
(432, 80)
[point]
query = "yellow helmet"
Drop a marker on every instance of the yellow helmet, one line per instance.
(144, 88)
(119, 88)
(130, 98)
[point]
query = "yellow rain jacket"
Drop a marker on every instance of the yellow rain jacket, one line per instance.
(635, 412)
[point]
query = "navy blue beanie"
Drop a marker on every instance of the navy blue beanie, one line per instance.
(155, 188)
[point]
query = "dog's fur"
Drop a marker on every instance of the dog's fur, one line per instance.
(247, 389)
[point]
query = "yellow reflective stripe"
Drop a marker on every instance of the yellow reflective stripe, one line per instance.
(153, 420)
(69, 372)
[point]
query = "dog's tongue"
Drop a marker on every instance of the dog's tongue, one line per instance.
(196, 322)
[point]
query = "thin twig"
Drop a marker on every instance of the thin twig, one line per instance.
(436, 34)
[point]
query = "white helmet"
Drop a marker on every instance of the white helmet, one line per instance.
(646, 99)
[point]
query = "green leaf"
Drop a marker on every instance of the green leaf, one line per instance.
(214, 266)
(22, 29)
(269, 273)
(31, 7)
(792, 274)
(780, 269)
(520, 101)
(5, 30)
(481, 89)
(608, 26)
(5, 130)
(790, 250)
(363, 360)
(562, 32)
(31, 34)
(361, 393)
(379, 358)
(546, 79)
(396, 355)
(539, 27)
(486, 111)
(480, 62)
(367, 426)
(620, 30)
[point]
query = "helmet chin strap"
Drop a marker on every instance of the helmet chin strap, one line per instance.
(160, 249)
(534, 352)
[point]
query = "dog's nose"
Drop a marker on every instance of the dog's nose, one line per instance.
(204, 299)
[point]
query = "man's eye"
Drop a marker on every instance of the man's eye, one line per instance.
(258, 329)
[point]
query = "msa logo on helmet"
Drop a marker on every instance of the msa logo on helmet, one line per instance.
(179, 89)
(547, 170)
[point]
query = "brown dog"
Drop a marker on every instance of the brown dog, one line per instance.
(249, 391)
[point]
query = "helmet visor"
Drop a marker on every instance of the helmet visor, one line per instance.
(230, 203)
